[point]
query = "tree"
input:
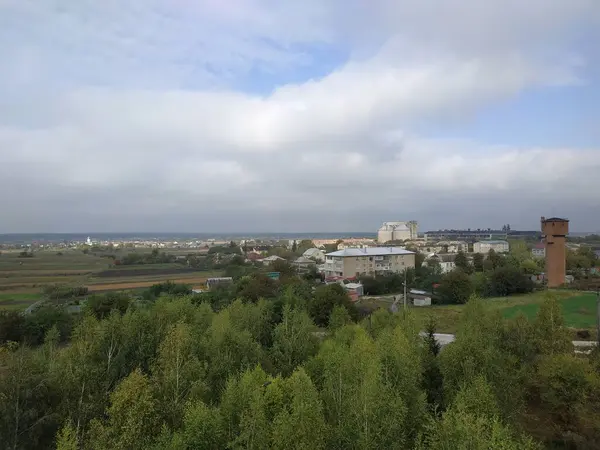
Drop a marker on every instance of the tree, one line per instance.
(508, 280)
(293, 341)
(132, 418)
(294, 247)
(455, 288)
(339, 318)
(178, 374)
(325, 299)
(67, 438)
(493, 259)
(300, 424)
(551, 335)
(462, 262)
(478, 262)
(432, 379)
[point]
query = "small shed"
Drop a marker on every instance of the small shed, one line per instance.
(420, 298)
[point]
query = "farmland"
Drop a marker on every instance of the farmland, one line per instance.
(22, 279)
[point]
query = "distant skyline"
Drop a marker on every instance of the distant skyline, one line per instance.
(254, 115)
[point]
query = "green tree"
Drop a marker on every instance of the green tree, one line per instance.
(300, 424)
(551, 335)
(478, 262)
(339, 318)
(461, 261)
(203, 428)
(178, 374)
(432, 379)
(294, 247)
(132, 417)
(455, 288)
(325, 299)
(293, 341)
(493, 260)
(67, 438)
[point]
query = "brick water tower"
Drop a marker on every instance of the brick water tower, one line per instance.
(554, 232)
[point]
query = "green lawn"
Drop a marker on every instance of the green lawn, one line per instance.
(578, 309)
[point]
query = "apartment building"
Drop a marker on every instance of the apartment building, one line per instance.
(352, 262)
(486, 246)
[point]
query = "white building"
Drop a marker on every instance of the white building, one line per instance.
(486, 246)
(397, 231)
(315, 253)
(539, 251)
(446, 261)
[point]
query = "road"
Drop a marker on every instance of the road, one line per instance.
(445, 339)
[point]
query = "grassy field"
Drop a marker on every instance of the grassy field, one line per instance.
(22, 280)
(579, 309)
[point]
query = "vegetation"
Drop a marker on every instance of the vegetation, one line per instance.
(176, 373)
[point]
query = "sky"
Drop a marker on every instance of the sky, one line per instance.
(298, 116)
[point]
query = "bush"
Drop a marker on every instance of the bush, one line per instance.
(455, 288)
(101, 305)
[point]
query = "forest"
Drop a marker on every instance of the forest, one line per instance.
(302, 370)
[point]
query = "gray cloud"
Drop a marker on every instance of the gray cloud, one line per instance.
(142, 132)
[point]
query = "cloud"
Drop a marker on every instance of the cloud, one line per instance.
(128, 117)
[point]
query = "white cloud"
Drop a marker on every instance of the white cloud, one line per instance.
(126, 135)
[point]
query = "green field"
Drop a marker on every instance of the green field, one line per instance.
(22, 280)
(578, 309)
(18, 300)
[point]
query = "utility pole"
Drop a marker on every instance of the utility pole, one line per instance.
(406, 303)
(598, 317)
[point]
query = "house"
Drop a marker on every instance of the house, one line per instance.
(486, 246)
(419, 298)
(539, 250)
(315, 253)
(354, 290)
(303, 265)
(445, 260)
(352, 262)
(218, 281)
(253, 256)
(271, 259)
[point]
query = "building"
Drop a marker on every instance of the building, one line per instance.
(486, 246)
(315, 253)
(272, 259)
(471, 235)
(419, 298)
(464, 235)
(554, 232)
(356, 243)
(397, 231)
(303, 264)
(539, 250)
(219, 281)
(352, 262)
(446, 261)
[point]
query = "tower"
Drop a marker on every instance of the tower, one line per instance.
(554, 232)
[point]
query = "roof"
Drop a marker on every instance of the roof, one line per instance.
(492, 242)
(313, 252)
(272, 258)
(371, 251)
(554, 219)
(303, 260)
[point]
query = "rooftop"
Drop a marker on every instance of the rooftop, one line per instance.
(493, 242)
(371, 251)
(554, 219)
